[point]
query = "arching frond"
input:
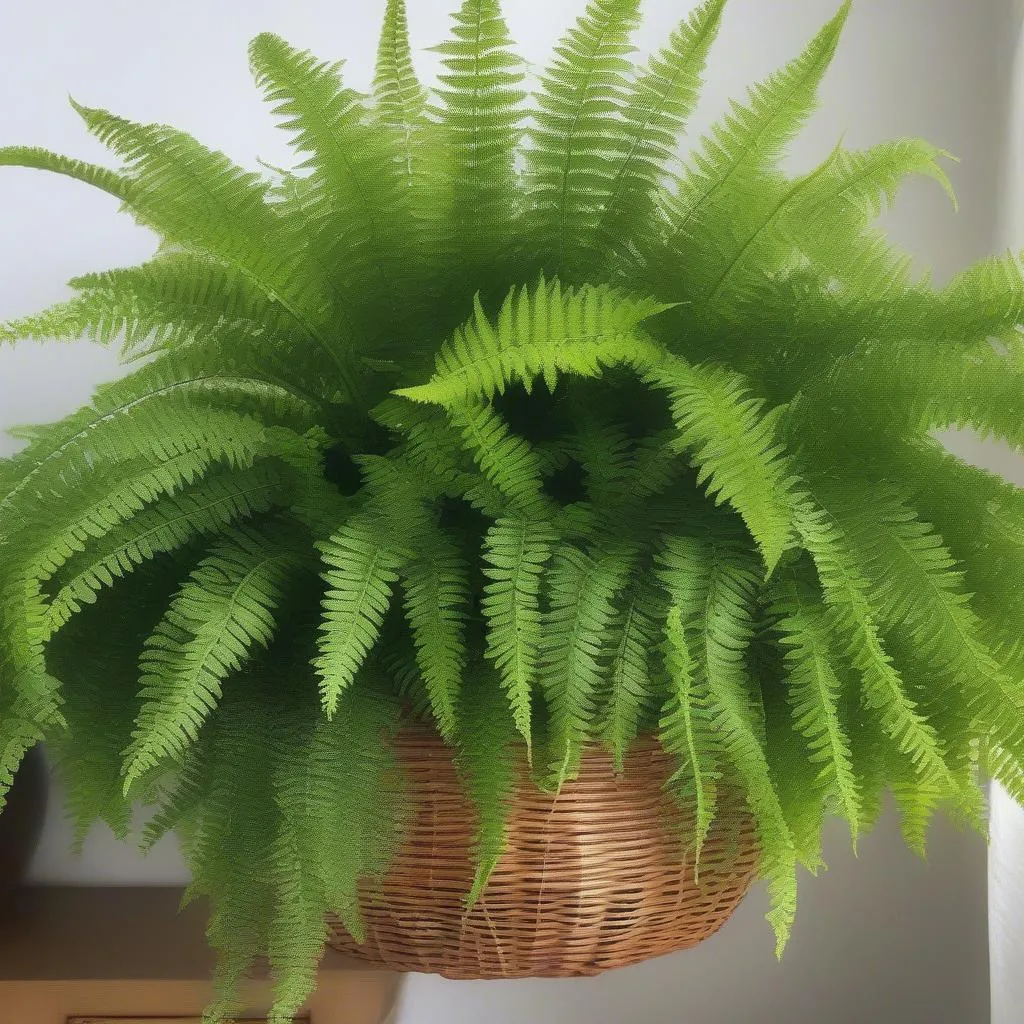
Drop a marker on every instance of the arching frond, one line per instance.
(506, 460)
(205, 508)
(540, 332)
(43, 160)
(658, 104)
(730, 169)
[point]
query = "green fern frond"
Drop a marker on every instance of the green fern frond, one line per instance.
(506, 460)
(713, 587)
(916, 586)
(19, 733)
(362, 565)
(340, 817)
(516, 551)
(198, 199)
(437, 597)
(205, 508)
(685, 729)
(657, 106)
(814, 692)
(581, 591)
(846, 593)
(486, 759)
(42, 159)
(735, 448)
(224, 612)
(399, 97)
(731, 163)
(631, 686)
(543, 331)
(99, 708)
(577, 136)
(359, 203)
(478, 115)
(175, 299)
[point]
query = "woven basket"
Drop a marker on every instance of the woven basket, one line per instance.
(593, 878)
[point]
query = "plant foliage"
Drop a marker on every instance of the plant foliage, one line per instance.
(499, 413)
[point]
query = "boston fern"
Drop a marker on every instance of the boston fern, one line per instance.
(495, 413)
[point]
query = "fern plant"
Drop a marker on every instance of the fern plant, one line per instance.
(498, 413)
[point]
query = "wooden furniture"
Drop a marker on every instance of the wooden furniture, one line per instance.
(118, 952)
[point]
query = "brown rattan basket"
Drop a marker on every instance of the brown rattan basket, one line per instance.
(593, 878)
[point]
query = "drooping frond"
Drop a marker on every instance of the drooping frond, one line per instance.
(221, 614)
(815, 692)
(686, 730)
(99, 708)
(581, 590)
(437, 599)
(515, 552)
(362, 563)
(634, 640)
(855, 187)
(712, 586)
(735, 448)
(884, 694)
(916, 586)
(486, 759)
(341, 815)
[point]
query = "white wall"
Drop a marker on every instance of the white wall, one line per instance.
(1006, 880)
(885, 938)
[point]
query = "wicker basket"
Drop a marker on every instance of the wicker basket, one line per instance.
(592, 879)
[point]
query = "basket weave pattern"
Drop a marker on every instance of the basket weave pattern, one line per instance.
(593, 878)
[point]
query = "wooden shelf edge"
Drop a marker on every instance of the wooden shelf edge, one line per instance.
(115, 932)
